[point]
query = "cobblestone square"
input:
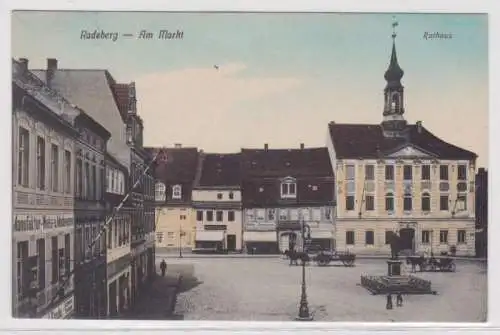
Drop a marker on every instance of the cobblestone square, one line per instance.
(268, 289)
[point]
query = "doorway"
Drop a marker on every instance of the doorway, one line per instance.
(407, 236)
(231, 242)
(113, 306)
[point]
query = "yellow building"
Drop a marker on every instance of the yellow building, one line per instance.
(396, 176)
(175, 172)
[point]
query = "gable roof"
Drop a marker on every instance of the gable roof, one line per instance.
(286, 162)
(90, 90)
(220, 170)
(175, 165)
(368, 141)
(120, 92)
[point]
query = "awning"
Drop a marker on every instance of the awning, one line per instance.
(209, 236)
(321, 234)
(259, 236)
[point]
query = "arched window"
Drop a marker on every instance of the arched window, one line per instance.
(176, 192)
(160, 192)
(389, 202)
(426, 202)
(407, 202)
(395, 102)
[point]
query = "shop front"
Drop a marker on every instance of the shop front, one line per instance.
(321, 240)
(64, 310)
(261, 242)
(210, 240)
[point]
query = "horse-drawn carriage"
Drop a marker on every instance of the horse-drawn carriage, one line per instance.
(435, 264)
(323, 258)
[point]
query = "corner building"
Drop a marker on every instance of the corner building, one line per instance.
(396, 176)
(175, 172)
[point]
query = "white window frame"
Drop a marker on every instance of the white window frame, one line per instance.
(176, 192)
(160, 191)
(288, 182)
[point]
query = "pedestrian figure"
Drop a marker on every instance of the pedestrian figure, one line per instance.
(163, 267)
(389, 302)
(399, 300)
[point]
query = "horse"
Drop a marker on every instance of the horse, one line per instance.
(294, 256)
(414, 261)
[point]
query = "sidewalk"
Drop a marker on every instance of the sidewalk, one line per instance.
(168, 255)
(157, 301)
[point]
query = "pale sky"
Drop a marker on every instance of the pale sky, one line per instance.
(281, 77)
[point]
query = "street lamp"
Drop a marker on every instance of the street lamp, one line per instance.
(304, 314)
(181, 233)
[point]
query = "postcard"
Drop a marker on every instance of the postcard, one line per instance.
(250, 166)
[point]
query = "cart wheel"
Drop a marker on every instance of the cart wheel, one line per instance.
(348, 262)
(321, 263)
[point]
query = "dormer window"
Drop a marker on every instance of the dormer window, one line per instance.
(176, 192)
(289, 188)
(160, 192)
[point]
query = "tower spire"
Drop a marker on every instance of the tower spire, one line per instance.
(393, 122)
(394, 72)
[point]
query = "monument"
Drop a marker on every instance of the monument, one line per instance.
(395, 282)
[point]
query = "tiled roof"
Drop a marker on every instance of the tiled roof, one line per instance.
(120, 92)
(220, 170)
(91, 91)
(175, 165)
(264, 170)
(286, 162)
(368, 141)
(266, 192)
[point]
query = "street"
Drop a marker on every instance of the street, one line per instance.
(268, 289)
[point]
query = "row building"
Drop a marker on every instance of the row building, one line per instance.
(44, 147)
(78, 144)
(251, 201)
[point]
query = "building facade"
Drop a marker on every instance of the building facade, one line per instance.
(141, 193)
(118, 257)
(482, 213)
(90, 218)
(281, 188)
(217, 203)
(43, 208)
(175, 173)
(395, 176)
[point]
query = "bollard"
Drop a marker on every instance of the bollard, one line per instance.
(389, 302)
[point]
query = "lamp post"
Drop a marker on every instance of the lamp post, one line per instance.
(304, 314)
(180, 240)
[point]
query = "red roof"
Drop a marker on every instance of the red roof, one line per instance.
(368, 141)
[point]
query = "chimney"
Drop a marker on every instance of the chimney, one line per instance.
(24, 64)
(266, 146)
(51, 69)
(177, 145)
(419, 126)
(301, 146)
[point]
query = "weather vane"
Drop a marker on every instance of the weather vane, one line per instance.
(394, 25)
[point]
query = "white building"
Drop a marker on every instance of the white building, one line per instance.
(118, 235)
(216, 198)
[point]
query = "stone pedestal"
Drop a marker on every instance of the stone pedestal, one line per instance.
(393, 268)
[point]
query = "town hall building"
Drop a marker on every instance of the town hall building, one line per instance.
(400, 177)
